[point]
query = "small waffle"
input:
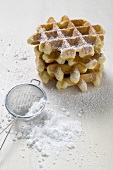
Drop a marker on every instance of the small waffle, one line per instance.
(82, 83)
(82, 64)
(76, 74)
(68, 37)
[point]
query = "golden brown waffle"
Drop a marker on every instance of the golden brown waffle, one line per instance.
(80, 73)
(68, 37)
(82, 83)
(69, 51)
(79, 80)
(55, 56)
(82, 64)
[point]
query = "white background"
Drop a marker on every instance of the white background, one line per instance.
(18, 20)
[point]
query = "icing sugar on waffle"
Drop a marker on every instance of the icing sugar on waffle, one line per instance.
(65, 45)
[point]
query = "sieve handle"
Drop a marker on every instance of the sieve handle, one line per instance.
(7, 126)
(36, 81)
(8, 132)
(6, 137)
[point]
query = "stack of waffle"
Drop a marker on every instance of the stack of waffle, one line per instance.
(70, 52)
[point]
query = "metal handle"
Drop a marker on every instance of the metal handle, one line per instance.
(7, 126)
(36, 81)
(6, 137)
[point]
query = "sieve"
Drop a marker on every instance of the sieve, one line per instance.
(20, 99)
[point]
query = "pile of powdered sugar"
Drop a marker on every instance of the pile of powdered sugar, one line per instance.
(51, 132)
(36, 107)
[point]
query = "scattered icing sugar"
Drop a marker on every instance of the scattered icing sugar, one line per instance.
(51, 132)
(75, 76)
(43, 34)
(52, 38)
(60, 35)
(91, 64)
(78, 33)
(83, 85)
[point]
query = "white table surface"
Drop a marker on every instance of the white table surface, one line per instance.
(18, 20)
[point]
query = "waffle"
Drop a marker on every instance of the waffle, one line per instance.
(79, 74)
(54, 56)
(82, 65)
(68, 37)
(70, 52)
(82, 83)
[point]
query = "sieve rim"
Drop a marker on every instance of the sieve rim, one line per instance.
(19, 116)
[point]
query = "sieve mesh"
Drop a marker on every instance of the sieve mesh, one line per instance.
(21, 97)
